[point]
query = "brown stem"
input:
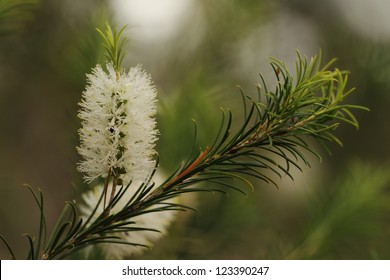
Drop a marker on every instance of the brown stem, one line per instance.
(106, 188)
(113, 190)
(189, 169)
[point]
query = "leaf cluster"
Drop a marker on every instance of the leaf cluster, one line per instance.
(114, 43)
(276, 125)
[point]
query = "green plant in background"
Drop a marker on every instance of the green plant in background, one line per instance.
(348, 215)
(127, 208)
(13, 14)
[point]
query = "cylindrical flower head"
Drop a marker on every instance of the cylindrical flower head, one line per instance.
(118, 131)
(156, 221)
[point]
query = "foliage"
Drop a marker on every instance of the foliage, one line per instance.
(269, 139)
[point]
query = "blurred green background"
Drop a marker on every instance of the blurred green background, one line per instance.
(197, 51)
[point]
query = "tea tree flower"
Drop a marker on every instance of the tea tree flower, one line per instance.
(118, 132)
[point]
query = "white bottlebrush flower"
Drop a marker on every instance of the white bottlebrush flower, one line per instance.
(118, 131)
(159, 221)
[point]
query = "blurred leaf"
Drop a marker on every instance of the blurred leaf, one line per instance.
(356, 213)
(14, 14)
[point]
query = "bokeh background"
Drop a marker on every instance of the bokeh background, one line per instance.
(197, 51)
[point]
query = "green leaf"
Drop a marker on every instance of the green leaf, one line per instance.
(114, 44)
(8, 247)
